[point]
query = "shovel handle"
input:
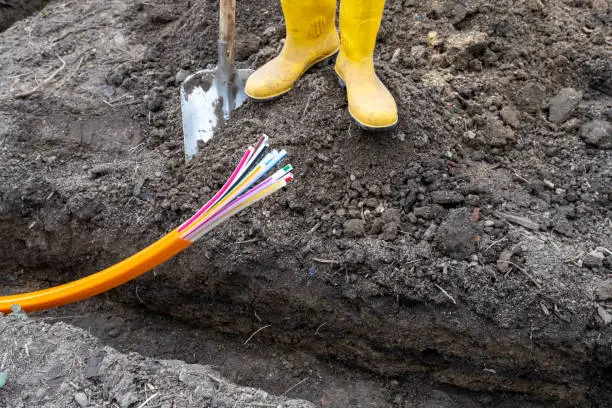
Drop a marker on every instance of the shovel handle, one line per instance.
(227, 22)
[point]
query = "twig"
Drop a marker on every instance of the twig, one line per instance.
(215, 379)
(139, 145)
(305, 108)
(256, 331)
(524, 272)
(138, 296)
(384, 245)
(248, 241)
(147, 400)
(522, 221)
(66, 79)
(316, 227)
(446, 293)
(293, 386)
(46, 81)
(319, 328)
(495, 243)
(518, 176)
(326, 261)
(61, 37)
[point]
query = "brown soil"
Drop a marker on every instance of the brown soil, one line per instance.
(93, 170)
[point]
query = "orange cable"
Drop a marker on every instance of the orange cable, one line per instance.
(109, 278)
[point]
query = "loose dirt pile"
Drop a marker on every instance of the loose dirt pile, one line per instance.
(471, 246)
(62, 366)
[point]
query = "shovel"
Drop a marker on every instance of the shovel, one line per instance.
(209, 96)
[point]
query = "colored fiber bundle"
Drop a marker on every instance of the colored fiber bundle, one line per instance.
(240, 191)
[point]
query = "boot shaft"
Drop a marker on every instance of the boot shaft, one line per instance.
(359, 24)
(308, 20)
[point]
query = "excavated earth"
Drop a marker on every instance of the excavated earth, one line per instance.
(462, 259)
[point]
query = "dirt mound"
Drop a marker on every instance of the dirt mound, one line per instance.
(69, 368)
(472, 238)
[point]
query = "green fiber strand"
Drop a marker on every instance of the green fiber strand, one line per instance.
(3, 378)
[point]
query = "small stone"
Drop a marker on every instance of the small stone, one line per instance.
(593, 260)
(605, 316)
(446, 197)
(81, 399)
(469, 135)
(489, 223)
(503, 262)
(103, 169)
(390, 231)
(510, 116)
(597, 133)
(354, 228)
(562, 105)
(604, 290)
(180, 76)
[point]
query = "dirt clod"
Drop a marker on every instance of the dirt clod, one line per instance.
(593, 259)
(597, 133)
(354, 228)
(457, 235)
(604, 290)
(563, 104)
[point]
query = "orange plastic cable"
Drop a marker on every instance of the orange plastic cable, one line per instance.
(109, 278)
(173, 243)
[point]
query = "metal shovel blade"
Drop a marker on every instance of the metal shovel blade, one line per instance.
(208, 98)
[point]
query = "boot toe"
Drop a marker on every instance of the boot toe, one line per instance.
(374, 113)
(270, 81)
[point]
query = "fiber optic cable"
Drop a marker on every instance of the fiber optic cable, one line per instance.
(239, 192)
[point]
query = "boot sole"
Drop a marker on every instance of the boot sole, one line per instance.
(278, 96)
(376, 129)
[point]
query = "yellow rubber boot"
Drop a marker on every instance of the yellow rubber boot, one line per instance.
(311, 37)
(370, 102)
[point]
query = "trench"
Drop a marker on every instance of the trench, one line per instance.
(369, 351)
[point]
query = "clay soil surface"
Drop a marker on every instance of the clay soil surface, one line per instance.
(463, 259)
